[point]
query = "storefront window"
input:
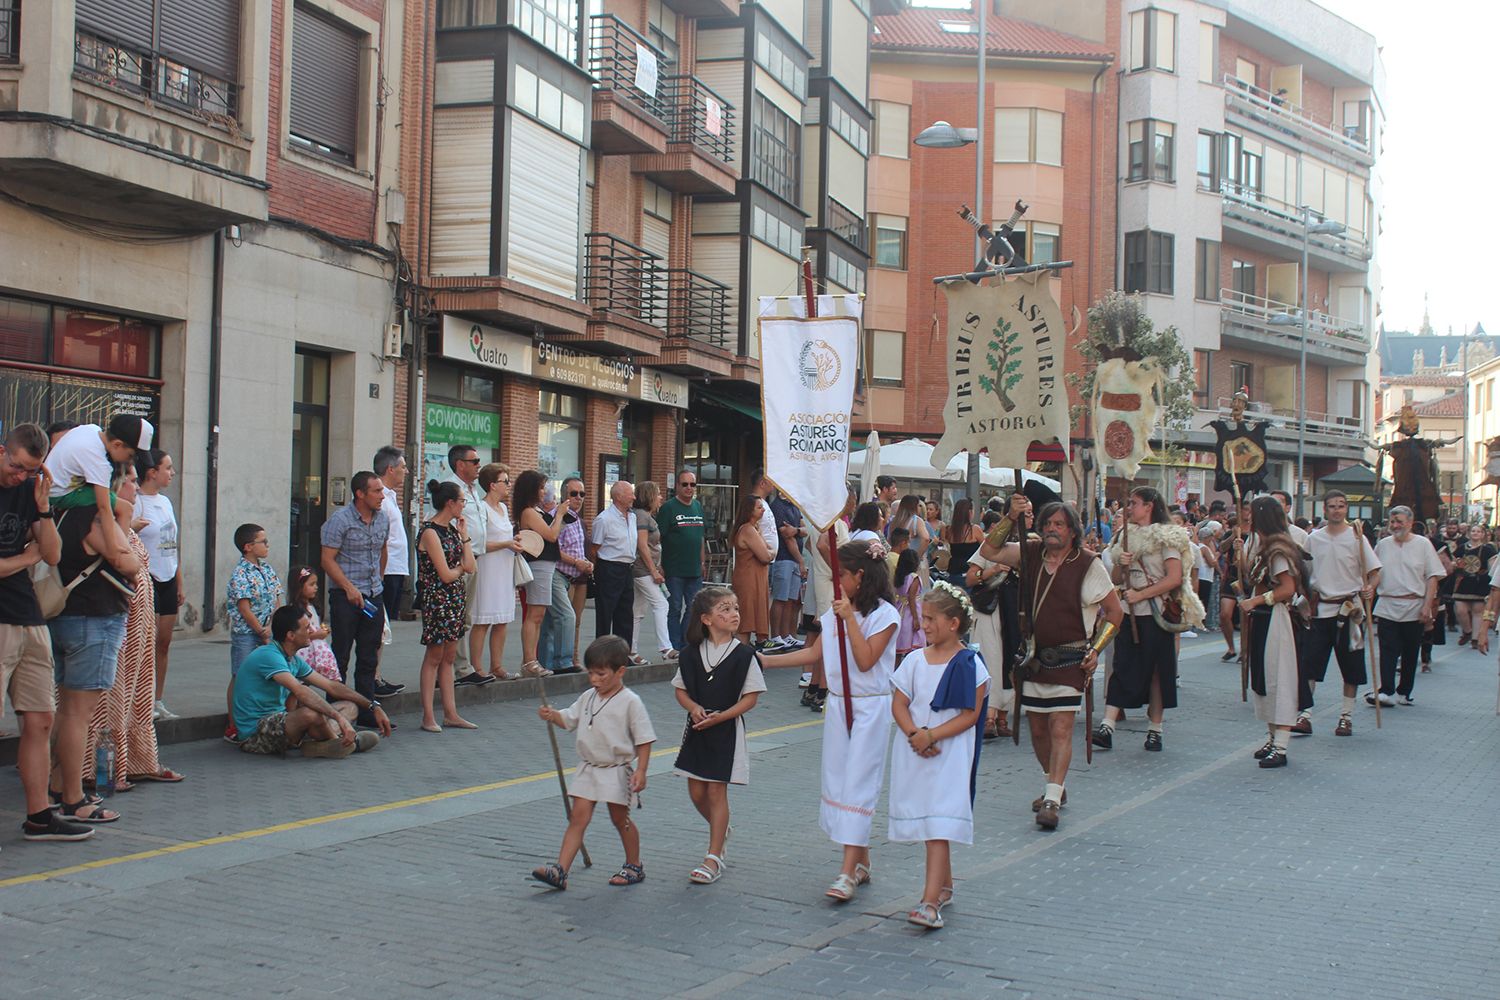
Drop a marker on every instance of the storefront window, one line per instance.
(104, 343)
(637, 443)
(559, 436)
(23, 330)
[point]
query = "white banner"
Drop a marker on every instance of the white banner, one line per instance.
(807, 395)
(645, 70)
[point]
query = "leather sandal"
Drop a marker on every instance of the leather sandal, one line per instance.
(926, 915)
(842, 889)
(704, 875)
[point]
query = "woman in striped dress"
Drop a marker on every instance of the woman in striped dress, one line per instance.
(127, 707)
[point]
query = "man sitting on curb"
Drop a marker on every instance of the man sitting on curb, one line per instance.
(275, 710)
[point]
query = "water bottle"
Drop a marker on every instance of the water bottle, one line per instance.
(104, 764)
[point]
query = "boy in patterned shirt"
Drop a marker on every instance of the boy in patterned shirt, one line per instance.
(254, 593)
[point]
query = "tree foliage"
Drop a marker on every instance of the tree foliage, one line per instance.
(1122, 317)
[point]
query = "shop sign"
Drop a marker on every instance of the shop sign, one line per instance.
(484, 345)
(555, 363)
(664, 388)
(453, 425)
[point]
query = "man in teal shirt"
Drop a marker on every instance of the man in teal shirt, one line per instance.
(682, 550)
(275, 710)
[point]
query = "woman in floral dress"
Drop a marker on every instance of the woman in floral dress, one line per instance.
(443, 557)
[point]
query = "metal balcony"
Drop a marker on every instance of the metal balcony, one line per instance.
(697, 308)
(1268, 111)
(1274, 226)
(1247, 319)
(146, 74)
(1328, 430)
(700, 118)
(623, 279)
(623, 61)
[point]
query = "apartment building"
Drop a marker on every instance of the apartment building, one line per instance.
(1049, 106)
(1480, 428)
(193, 206)
(600, 195)
(1249, 133)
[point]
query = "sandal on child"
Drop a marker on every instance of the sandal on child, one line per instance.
(704, 875)
(945, 897)
(628, 875)
(842, 888)
(861, 874)
(926, 915)
(535, 669)
(554, 875)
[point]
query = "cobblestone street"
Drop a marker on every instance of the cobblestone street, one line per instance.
(1364, 869)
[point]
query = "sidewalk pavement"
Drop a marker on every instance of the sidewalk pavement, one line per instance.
(198, 678)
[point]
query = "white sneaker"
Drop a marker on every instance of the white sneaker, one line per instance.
(805, 680)
(161, 711)
(1190, 634)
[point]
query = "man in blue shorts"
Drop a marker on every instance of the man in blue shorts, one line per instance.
(788, 571)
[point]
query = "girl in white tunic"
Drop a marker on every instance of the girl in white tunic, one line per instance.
(854, 736)
(938, 699)
(1275, 580)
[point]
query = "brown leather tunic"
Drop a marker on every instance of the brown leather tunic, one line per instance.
(1059, 620)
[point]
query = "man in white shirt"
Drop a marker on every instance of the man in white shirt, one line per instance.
(1298, 536)
(1409, 575)
(761, 487)
(614, 542)
(463, 459)
(1345, 571)
(390, 466)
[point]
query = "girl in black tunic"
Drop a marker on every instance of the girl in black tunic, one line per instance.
(718, 680)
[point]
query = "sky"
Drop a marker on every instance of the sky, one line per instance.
(1440, 167)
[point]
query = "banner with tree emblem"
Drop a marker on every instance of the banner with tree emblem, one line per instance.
(1005, 364)
(807, 395)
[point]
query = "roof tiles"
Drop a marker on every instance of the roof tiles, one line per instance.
(921, 29)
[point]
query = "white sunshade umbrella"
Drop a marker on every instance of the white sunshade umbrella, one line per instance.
(871, 467)
(912, 460)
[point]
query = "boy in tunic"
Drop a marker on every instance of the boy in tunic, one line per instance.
(614, 748)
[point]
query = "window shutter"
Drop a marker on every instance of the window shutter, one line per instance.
(203, 34)
(126, 21)
(325, 81)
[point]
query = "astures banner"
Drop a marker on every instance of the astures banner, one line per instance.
(1127, 399)
(1005, 370)
(807, 395)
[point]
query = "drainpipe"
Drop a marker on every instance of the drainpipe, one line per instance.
(211, 485)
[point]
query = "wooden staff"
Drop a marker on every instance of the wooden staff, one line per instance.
(562, 782)
(1135, 630)
(1370, 651)
(1025, 593)
(833, 541)
(1241, 571)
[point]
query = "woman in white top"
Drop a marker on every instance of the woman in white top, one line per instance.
(159, 534)
(495, 583)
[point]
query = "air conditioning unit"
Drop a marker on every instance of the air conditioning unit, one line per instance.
(393, 340)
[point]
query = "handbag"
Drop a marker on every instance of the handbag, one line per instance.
(985, 598)
(523, 574)
(51, 593)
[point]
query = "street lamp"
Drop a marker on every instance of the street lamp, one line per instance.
(941, 135)
(1325, 227)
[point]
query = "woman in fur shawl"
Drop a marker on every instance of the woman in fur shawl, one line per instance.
(1151, 558)
(1276, 580)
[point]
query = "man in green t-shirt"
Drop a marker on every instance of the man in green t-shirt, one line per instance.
(682, 550)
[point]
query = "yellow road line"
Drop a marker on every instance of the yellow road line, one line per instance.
(302, 824)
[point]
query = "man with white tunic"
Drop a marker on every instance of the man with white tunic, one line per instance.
(1409, 575)
(1345, 571)
(1066, 590)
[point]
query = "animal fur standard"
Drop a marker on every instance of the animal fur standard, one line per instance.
(1127, 399)
(1151, 539)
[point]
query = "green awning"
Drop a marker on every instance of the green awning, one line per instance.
(729, 403)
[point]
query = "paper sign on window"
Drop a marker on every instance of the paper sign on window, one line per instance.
(713, 116)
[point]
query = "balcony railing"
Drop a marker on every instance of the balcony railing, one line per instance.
(623, 278)
(1332, 427)
(846, 225)
(1322, 327)
(697, 308)
(700, 117)
(1285, 218)
(1283, 114)
(624, 61)
(10, 30)
(147, 74)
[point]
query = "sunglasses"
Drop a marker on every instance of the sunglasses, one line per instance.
(575, 493)
(687, 486)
